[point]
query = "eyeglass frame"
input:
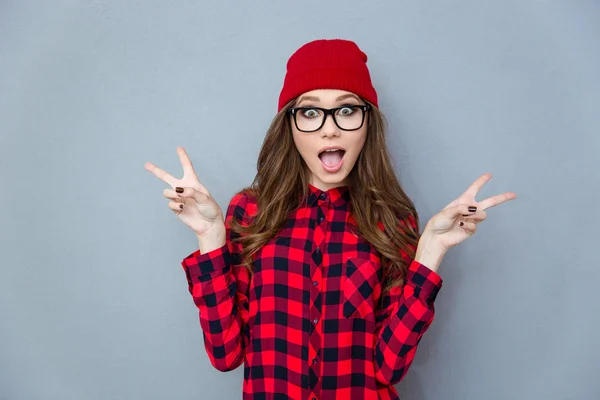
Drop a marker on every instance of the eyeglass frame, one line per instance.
(328, 111)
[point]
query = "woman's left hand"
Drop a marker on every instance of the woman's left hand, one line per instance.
(455, 222)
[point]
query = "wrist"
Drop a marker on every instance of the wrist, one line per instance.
(429, 253)
(211, 240)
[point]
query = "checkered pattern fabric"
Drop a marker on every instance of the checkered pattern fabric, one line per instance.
(312, 323)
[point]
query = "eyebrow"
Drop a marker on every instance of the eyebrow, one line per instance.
(340, 98)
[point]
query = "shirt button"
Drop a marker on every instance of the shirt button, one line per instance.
(318, 250)
(321, 219)
(323, 196)
(315, 320)
(314, 360)
(315, 283)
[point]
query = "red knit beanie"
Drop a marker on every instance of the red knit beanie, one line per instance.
(327, 64)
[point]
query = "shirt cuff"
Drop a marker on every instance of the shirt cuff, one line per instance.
(427, 282)
(197, 266)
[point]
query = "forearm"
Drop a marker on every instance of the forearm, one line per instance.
(411, 311)
(219, 295)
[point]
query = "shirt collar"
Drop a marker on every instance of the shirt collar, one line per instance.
(339, 196)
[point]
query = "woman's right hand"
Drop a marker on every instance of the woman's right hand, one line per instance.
(200, 211)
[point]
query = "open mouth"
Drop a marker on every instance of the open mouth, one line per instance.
(332, 160)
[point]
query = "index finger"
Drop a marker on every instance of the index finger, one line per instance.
(478, 184)
(188, 169)
(160, 174)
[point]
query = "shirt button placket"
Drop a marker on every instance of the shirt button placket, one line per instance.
(321, 213)
(317, 258)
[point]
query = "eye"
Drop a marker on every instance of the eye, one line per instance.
(347, 110)
(310, 113)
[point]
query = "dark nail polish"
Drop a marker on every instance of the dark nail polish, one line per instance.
(472, 209)
(181, 206)
(461, 223)
(466, 215)
(179, 190)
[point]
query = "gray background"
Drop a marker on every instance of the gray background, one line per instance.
(93, 300)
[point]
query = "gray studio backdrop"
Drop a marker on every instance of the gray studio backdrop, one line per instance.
(93, 300)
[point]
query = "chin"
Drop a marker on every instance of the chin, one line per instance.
(331, 178)
(333, 181)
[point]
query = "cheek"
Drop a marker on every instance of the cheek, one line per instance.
(303, 145)
(359, 143)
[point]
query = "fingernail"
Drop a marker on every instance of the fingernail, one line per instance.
(179, 190)
(461, 223)
(181, 206)
(472, 209)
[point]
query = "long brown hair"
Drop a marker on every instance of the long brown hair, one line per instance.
(376, 196)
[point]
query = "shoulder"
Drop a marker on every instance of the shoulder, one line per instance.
(243, 205)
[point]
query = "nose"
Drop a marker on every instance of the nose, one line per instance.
(329, 127)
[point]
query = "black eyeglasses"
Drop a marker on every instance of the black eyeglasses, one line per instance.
(349, 117)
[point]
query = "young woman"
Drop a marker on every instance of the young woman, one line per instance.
(317, 279)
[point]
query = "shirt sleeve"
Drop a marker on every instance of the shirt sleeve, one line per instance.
(404, 315)
(219, 287)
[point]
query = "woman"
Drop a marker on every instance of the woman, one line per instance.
(317, 278)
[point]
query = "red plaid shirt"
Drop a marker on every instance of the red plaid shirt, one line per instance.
(312, 323)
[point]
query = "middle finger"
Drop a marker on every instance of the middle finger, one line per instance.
(496, 200)
(160, 174)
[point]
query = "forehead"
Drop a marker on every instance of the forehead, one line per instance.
(326, 95)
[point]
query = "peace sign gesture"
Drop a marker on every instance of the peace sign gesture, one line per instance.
(191, 201)
(458, 220)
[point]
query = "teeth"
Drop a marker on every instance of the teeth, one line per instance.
(332, 150)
